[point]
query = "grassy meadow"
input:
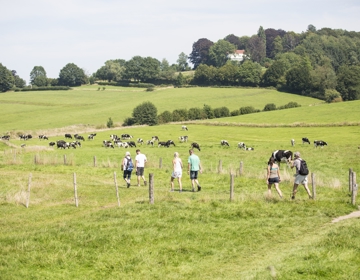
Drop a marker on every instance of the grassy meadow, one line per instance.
(201, 235)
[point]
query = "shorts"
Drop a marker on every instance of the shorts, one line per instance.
(300, 179)
(140, 171)
(193, 175)
(274, 180)
(127, 174)
(177, 174)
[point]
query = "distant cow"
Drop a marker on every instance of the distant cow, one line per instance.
(114, 137)
(140, 141)
(183, 139)
(195, 145)
(126, 136)
(79, 137)
(242, 145)
(155, 138)
(249, 149)
(91, 136)
(43, 137)
(163, 144)
(170, 142)
(224, 143)
(282, 156)
(51, 144)
(292, 142)
(68, 135)
(320, 143)
(23, 137)
(150, 142)
(62, 144)
(305, 140)
(108, 144)
(5, 137)
(131, 144)
(184, 127)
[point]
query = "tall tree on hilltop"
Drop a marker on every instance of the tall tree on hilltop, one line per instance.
(38, 76)
(6, 78)
(271, 34)
(219, 51)
(71, 75)
(200, 52)
(235, 40)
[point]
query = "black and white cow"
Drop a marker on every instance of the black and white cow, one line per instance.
(320, 143)
(184, 127)
(155, 138)
(23, 137)
(61, 144)
(43, 137)
(79, 137)
(183, 139)
(249, 149)
(126, 136)
(114, 137)
(242, 145)
(305, 140)
(51, 144)
(5, 137)
(108, 144)
(91, 136)
(282, 156)
(170, 142)
(224, 143)
(121, 144)
(131, 144)
(150, 142)
(68, 135)
(195, 145)
(140, 141)
(163, 144)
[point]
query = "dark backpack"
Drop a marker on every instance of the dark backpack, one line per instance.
(129, 165)
(303, 168)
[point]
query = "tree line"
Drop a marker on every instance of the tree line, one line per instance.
(322, 63)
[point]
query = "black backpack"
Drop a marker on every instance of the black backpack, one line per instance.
(303, 168)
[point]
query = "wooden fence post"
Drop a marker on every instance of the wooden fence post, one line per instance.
(350, 180)
(354, 189)
(151, 188)
(241, 168)
(94, 161)
(313, 183)
(75, 191)
(28, 192)
(117, 189)
(160, 162)
(231, 187)
(220, 166)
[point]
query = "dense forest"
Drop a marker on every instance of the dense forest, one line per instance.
(322, 63)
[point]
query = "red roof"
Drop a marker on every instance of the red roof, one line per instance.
(240, 51)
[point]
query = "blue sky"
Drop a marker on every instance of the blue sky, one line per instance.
(52, 33)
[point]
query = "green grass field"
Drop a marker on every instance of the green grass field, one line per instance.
(199, 235)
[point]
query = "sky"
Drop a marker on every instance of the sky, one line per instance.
(51, 33)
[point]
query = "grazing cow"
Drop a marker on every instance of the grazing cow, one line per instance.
(23, 137)
(183, 139)
(43, 137)
(61, 144)
(114, 137)
(195, 145)
(184, 127)
(126, 136)
(249, 149)
(51, 144)
(224, 143)
(305, 140)
(292, 142)
(155, 138)
(68, 135)
(29, 136)
(108, 144)
(79, 137)
(5, 137)
(282, 156)
(320, 143)
(121, 144)
(163, 144)
(150, 142)
(140, 141)
(170, 142)
(242, 145)
(91, 136)
(131, 144)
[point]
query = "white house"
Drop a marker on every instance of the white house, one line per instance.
(238, 55)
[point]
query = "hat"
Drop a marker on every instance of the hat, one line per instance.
(297, 154)
(127, 154)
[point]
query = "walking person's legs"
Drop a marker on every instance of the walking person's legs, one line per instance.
(278, 190)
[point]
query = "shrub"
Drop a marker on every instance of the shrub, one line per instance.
(110, 123)
(270, 107)
(247, 110)
(331, 95)
(145, 113)
(235, 113)
(165, 117)
(129, 122)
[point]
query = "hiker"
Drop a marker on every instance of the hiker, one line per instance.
(194, 167)
(140, 161)
(301, 174)
(177, 172)
(127, 166)
(273, 176)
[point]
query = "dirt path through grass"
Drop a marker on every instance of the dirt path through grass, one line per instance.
(355, 214)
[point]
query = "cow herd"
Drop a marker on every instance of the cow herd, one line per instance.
(317, 143)
(240, 145)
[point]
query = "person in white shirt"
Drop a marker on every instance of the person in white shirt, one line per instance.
(177, 172)
(140, 161)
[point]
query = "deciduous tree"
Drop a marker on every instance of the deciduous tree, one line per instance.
(219, 52)
(6, 79)
(145, 113)
(71, 75)
(200, 52)
(38, 76)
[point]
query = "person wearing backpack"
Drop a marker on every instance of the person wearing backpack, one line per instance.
(301, 174)
(127, 166)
